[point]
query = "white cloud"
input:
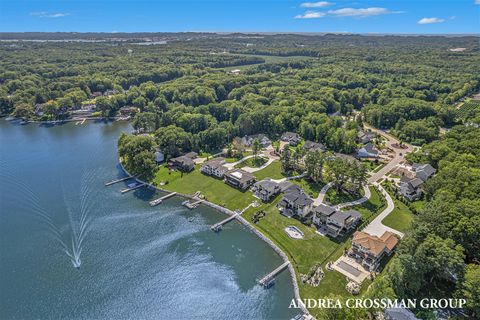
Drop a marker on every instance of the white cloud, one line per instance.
(477, 1)
(44, 14)
(361, 12)
(430, 20)
(310, 15)
(321, 4)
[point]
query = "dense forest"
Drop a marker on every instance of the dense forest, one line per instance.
(184, 91)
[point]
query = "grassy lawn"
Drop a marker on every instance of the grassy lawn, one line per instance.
(418, 205)
(333, 197)
(310, 187)
(273, 170)
(400, 218)
(214, 190)
(253, 163)
(313, 248)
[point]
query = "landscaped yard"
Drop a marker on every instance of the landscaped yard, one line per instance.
(252, 162)
(400, 218)
(273, 170)
(214, 190)
(335, 197)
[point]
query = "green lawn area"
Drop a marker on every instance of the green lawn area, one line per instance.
(333, 197)
(252, 162)
(400, 218)
(371, 208)
(214, 190)
(273, 170)
(312, 249)
(310, 187)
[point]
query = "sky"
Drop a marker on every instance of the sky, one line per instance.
(361, 16)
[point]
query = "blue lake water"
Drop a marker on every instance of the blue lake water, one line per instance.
(136, 262)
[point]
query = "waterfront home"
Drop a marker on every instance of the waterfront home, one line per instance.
(264, 140)
(295, 202)
(182, 163)
(192, 155)
(291, 137)
(313, 146)
(410, 185)
(266, 189)
(368, 151)
(239, 178)
(369, 250)
(159, 156)
(128, 111)
(214, 167)
(334, 222)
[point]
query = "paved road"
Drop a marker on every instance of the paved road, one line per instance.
(399, 155)
(321, 195)
(376, 227)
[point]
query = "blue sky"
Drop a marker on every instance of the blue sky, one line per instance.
(362, 16)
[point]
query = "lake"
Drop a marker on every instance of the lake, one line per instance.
(134, 261)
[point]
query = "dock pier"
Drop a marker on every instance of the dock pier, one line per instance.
(269, 279)
(133, 188)
(218, 226)
(192, 205)
(118, 180)
(155, 202)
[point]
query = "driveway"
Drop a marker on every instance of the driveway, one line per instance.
(321, 195)
(363, 199)
(397, 159)
(376, 227)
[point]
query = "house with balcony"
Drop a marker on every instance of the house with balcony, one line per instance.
(369, 250)
(410, 186)
(239, 178)
(335, 223)
(182, 163)
(214, 167)
(263, 139)
(266, 190)
(368, 151)
(295, 202)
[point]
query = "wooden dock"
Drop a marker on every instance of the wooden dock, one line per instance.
(192, 205)
(132, 188)
(155, 202)
(218, 226)
(269, 279)
(118, 180)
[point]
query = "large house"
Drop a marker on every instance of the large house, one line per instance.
(313, 146)
(410, 187)
(291, 137)
(266, 189)
(365, 137)
(335, 222)
(369, 250)
(183, 163)
(368, 151)
(295, 202)
(239, 178)
(214, 167)
(264, 140)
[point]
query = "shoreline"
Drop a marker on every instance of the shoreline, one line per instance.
(247, 224)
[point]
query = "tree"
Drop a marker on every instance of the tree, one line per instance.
(256, 146)
(314, 165)
(137, 154)
(469, 289)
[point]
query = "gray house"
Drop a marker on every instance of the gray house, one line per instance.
(266, 189)
(264, 140)
(410, 188)
(295, 202)
(368, 151)
(183, 163)
(291, 137)
(335, 222)
(239, 178)
(313, 146)
(214, 167)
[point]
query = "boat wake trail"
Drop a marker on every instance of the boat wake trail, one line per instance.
(72, 233)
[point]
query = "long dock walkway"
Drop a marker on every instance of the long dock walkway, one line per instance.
(267, 280)
(218, 226)
(118, 180)
(159, 200)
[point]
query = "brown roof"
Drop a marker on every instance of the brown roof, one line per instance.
(375, 244)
